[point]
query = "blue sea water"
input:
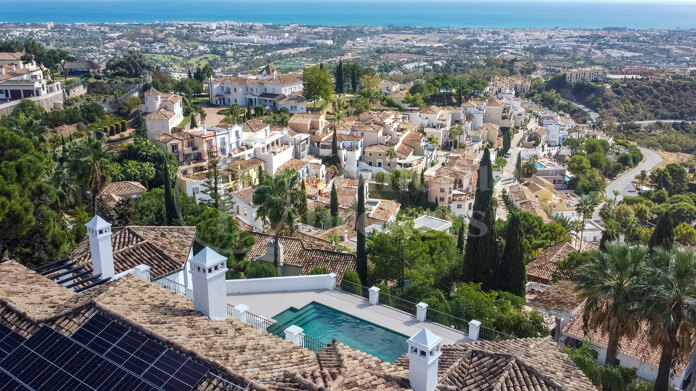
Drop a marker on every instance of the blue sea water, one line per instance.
(431, 13)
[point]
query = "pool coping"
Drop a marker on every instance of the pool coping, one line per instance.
(272, 303)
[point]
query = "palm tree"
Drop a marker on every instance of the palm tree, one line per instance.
(642, 177)
(607, 284)
(391, 154)
(65, 187)
(667, 290)
(92, 162)
(147, 172)
(586, 207)
(354, 207)
(131, 170)
(277, 199)
(454, 133)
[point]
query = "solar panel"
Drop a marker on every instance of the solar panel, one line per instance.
(102, 355)
(9, 340)
(140, 354)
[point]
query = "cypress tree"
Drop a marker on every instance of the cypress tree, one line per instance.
(190, 76)
(423, 190)
(302, 206)
(361, 251)
(247, 115)
(168, 200)
(354, 78)
(460, 238)
(339, 77)
(480, 256)
(334, 201)
(334, 145)
(664, 233)
(518, 167)
(511, 270)
(193, 121)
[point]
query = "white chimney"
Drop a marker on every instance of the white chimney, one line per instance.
(424, 350)
(208, 278)
(99, 233)
(345, 235)
(2, 70)
(14, 67)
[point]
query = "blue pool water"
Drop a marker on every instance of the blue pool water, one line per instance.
(325, 324)
(539, 165)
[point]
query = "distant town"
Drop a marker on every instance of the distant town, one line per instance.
(233, 206)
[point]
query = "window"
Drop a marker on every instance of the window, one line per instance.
(370, 154)
(370, 163)
(442, 199)
(379, 164)
(196, 190)
(459, 206)
(442, 190)
(175, 148)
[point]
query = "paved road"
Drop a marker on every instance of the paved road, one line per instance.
(666, 121)
(623, 183)
(507, 179)
(593, 114)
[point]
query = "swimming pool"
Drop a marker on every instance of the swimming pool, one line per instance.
(539, 165)
(325, 324)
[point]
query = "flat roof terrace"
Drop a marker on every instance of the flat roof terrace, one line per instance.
(269, 304)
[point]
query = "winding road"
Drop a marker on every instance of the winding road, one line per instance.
(624, 183)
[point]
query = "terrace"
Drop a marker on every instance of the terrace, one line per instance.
(263, 302)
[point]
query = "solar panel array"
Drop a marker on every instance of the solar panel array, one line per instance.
(9, 340)
(101, 355)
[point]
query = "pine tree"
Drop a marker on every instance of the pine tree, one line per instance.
(480, 256)
(460, 238)
(511, 269)
(334, 202)
(664, 233)
(361, 251)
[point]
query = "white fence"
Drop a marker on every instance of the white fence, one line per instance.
(281, 284)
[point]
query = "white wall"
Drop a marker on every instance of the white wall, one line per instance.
(281, 284)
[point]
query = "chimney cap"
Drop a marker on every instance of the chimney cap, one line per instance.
(208, 257)
(425, 339)
(97, 223)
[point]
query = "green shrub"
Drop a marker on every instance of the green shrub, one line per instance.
(260, 270)
(319, 270)
(349, 276)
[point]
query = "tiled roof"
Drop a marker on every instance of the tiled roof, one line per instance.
(115, 191)
(304, 118)
(244, 164)
(293, 164)
(368, 128)
(385, 210)
(404, 150)
(152, 92)
(254, 125)
(514, 364)
(246, 194)
(412, 139)
(284, 79)
(542, 267)
(164, 249)
(160, 115)
(377, 148)
(29, 293)
(558, 297)
(637, 347)
(11, 56)
(297, 254)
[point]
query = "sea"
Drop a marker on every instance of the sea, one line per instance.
(529, 14)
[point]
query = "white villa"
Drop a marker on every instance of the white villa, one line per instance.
(269, 88)
(19, 80)
(162, 112)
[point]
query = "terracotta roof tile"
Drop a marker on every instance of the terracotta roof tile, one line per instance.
(542, 267)
(160, 115)
(299, 255)
(164, 249)
(558, 297)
